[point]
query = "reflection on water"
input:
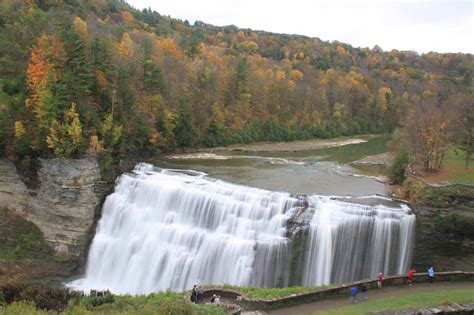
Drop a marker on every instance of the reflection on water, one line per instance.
(324, 171)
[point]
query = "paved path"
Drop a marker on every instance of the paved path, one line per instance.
(372, 295)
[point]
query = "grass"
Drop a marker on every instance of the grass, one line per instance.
(452, 170)
(157, 303)
(409, 300)
(271, 293)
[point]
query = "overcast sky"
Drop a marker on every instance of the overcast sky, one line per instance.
(422, 26)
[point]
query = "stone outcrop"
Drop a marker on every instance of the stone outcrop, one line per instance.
(62, 205)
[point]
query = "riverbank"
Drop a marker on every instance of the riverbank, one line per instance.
(293, 146)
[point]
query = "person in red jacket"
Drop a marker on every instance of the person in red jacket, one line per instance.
(410, 275)
(379, 280)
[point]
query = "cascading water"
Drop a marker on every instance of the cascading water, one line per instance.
(349, 241)
(167, 229)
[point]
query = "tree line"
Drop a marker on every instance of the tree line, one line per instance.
(87, 77)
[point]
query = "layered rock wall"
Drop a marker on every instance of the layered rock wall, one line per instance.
(62, 206)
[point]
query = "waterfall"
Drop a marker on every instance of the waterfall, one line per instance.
(349, 241)
(169, 229)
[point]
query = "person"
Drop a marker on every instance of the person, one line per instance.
(217, 300)
(213, 298)
(194, 294)
(354, 292)
(431, 274)
(410, 275)
(379, 280)
(363, 292)
(199, 295)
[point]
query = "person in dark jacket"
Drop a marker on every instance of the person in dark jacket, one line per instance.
(194, 294)
(363, 292)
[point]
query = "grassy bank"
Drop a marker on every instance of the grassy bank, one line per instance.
(270, 293)
(453, 171)
(415, 300)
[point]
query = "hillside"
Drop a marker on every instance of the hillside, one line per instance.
(86, 77)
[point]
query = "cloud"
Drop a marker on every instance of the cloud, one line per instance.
(422, 26)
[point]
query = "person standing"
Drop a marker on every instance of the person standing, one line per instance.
(363, 292)
(354, 292)
(379, 280)
(410, 276)
(431, 274)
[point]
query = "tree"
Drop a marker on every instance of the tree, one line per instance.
(398, 168)
(65, 139)
(184, 131)
(464, 106)
(428, 132)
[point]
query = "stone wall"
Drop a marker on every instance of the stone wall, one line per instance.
(62, 205)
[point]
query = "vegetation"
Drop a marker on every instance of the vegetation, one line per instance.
(413, 299)
(271, 293)
(98, 77)
(417, 191)
(24, 299)
(398, 168)
(20, 240)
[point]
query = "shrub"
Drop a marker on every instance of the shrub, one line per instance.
(400, 163)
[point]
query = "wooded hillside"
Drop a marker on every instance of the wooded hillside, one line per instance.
(82, 77)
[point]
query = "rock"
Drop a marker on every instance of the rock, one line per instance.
(62, 206)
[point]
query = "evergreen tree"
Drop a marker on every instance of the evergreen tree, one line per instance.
(184, 131)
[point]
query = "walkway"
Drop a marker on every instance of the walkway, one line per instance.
(372, 295)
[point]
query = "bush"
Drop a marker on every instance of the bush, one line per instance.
(400, 163)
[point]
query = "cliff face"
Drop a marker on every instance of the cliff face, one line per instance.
(445, 234)
(62, 205)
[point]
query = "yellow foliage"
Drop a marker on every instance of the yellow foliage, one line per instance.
(296, 75)
(95, 146)
(125, 46)
(19, 129)
(280, 75)
(81, 28)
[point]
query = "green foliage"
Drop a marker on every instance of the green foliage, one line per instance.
(399, 166)
(21, 240)
(458, 224)
(184, 131)
(22, 299)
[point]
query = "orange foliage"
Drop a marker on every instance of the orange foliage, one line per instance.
(127, 17)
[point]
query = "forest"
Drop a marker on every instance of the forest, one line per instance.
(98, 77)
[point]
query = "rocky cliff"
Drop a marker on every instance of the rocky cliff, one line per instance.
(62, 204)
(445, 229)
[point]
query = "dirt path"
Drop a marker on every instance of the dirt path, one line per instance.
(372, 295)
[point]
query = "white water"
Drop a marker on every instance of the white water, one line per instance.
(349, 241)
(167, 229)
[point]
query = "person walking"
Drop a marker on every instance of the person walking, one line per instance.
(354, 292)
(431, 274)
(379, 281)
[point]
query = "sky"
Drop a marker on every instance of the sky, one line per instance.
(418, 25)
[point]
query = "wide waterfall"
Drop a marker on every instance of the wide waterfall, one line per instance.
(170, 229)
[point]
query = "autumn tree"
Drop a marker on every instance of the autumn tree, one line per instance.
(65, 138)
(428, 132)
